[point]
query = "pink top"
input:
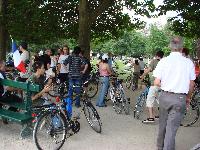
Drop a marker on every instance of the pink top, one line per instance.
(103, 70)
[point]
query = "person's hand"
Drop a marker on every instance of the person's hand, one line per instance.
(83, 72)
(46, 89)
(187, 101)
(141, 78)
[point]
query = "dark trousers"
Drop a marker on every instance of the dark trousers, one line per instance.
(171, 111)
(10, 97)
(63, 77)
(77, 90)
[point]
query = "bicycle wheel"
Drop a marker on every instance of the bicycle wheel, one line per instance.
(50, 131)
(127, 106)
(118, 101)
(128, 81)
(92, 88)
(63, 89)
(191, 115)
(92, 116)
(139, 106)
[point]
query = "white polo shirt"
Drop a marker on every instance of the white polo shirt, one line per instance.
(175, 73)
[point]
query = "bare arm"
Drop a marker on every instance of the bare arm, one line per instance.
(191, 89)
(146, 71)
(108, 68)
(38, 95)
(85, 68)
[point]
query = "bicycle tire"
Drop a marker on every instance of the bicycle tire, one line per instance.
(127, 106)
(92, 88)
(51, 131)
(128, 81)
(191, 115)
(118, 101)
(139, 106)
(58, 89)
(92, 116)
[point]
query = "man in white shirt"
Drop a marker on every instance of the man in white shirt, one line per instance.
(175, 75)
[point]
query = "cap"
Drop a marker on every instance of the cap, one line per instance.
(104, 56)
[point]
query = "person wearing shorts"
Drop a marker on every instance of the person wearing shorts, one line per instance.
(153, 90)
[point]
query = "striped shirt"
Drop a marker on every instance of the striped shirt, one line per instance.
(75, 64)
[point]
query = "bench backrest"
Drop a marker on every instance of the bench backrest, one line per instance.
(20, 85)
(28, 88)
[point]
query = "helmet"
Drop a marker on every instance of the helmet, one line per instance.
(104, 57)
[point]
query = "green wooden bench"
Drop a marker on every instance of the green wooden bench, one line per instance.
(24, 116)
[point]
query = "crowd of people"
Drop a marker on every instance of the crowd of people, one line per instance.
(173, 75)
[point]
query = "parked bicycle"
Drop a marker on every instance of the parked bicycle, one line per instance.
(141, 100)
(118, 96)
(192, 111)
(54, 122)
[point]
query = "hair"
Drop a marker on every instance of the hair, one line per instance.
(160, 54)
(2, 63)
(37, 65)
(104, 61)
(185, 51)
(82, 52)
(176, 44)
(24, 45)
(136, 62)
(65, 46)
(77, 50)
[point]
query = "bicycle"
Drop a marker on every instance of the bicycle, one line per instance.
(141, 100)
(192, 113)
(118, 96)
(55, 119)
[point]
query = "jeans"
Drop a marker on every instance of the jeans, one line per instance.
(76, 82)
(103, 91)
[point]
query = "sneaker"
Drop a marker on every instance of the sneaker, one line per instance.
(156, 117)
(149, 120)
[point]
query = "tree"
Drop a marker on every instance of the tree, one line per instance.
(186, 23)
(3, 33)
(158, 39)
(38, 20)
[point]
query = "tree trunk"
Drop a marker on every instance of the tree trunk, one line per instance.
(84, 28)
(3, 35)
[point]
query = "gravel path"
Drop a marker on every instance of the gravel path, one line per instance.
(120, 132)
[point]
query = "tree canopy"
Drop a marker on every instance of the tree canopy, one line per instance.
(39, 20)
(186, 23)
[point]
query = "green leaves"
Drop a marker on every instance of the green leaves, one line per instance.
(187, 22)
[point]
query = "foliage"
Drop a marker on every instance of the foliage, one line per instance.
(158, 39)
(39, 21)
(186, 23)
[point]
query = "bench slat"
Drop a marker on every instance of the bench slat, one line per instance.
(20, 85)
(15, 116)
(14, 104)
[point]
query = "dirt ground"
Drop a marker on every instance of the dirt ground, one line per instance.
(119, 132)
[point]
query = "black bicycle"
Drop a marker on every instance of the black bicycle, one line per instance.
(192, 111)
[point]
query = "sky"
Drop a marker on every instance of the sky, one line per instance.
(161, 20)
